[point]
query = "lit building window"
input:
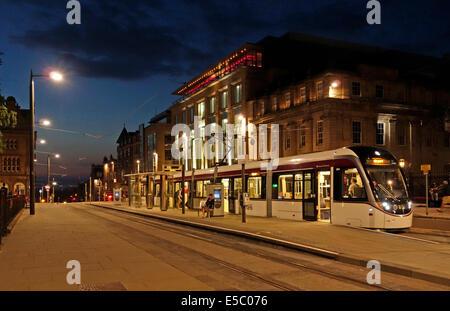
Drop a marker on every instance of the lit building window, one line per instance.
(287, 100)
(201, 109)
(212, 105)
(237, 93)
(224, 100)
(274, 103)
(303, 95)
(319, 89)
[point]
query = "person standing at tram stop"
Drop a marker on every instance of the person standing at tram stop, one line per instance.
(444, 191)
(209, 205)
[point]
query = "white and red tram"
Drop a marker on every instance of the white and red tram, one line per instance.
(354, 186)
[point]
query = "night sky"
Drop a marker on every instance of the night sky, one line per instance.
(127, 56)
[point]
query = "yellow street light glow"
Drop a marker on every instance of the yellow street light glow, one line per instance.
(42, 141)
(54, 75)
(137, 161)
(57, 155)
(45, 122)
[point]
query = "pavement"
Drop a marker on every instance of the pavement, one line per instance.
(34, 256)
(413, 257)
(433, 220)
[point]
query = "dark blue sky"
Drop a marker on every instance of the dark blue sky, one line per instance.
(127, 56)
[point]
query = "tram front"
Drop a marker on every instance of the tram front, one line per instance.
(388, 185)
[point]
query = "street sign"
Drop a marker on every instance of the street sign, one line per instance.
(425, 168)
(172, 168)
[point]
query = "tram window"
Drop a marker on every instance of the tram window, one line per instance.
(351, 184)
(298, 187)
(254, 186)
(285, 187)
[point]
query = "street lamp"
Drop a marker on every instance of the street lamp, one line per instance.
(138, 162)
(45, 122)
(56, 77)
(56, 155)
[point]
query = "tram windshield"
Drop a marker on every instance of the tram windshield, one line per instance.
(388, 182)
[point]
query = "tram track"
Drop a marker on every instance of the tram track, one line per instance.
(267, 280)
(202, 234)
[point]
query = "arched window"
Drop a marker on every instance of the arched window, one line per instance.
(19, 188)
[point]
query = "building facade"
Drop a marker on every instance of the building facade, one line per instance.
(14, 159)
(325, 94)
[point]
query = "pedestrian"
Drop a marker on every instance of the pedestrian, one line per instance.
(444, 191)
(209, 205)
(434, 194)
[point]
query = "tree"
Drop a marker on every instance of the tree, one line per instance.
(8, 119)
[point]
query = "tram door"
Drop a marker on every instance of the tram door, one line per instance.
(309, 196)
(226, 190)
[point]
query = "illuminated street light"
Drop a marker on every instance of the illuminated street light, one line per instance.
(45, 122)
(57, 155)
(56, 76)
(42, 141)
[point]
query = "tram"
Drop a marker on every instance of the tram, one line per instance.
(354, 186)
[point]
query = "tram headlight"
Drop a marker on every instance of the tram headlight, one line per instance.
(409, 204)
(386, 206)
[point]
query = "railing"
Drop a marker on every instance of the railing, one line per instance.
(10, 206)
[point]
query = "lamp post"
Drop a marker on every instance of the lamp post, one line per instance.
(56, 155)
(54, 76)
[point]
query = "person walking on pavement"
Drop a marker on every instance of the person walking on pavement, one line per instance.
(444, 191)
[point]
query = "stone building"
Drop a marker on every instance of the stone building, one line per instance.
(14, 160)
(327, 94)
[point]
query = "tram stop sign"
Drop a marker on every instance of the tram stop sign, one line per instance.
(425, 168)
